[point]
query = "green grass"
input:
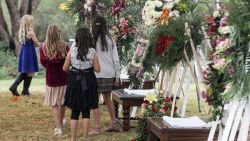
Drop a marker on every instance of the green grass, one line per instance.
(27, 119)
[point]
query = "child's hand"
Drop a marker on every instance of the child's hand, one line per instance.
(30, 34)
(117, 82)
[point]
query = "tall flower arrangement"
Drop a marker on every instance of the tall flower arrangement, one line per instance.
(222, 67)
(228, 74)
(126, 23)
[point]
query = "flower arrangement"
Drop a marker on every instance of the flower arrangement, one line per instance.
(228, 75)
(124, 35)
(168, 38)
(153, 106)
(160, 12)
(135, 68)
(117, 7)
(83, 11)
(168, 42)
(221, 72)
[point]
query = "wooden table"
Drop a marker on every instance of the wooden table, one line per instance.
(127, 101)
(158, 129)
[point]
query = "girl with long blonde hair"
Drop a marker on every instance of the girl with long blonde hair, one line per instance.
(27, 59)
(52, 56)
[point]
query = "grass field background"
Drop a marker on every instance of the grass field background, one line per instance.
(27, 119)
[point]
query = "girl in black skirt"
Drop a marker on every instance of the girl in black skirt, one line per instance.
(81, 92)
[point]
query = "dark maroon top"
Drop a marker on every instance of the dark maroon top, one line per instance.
(55, 76)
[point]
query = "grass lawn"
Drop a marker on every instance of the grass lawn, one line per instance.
(27, 119)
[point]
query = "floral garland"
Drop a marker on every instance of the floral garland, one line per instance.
(222, 67)
(227, 77)
(153, 106)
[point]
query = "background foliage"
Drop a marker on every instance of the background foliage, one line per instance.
(47, 13)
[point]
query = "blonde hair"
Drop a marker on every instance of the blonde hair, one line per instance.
(55, 47)
(26, 24)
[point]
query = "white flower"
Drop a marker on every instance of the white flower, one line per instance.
(170, 5)
(216, 13)
(85, 6)
(225, 30)
(174, 14)
(158, 3)
(89, 8)
(226, 13)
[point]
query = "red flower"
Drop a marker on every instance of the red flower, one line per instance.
(162, 43)
(146, 129)
(175, 108)
(165, 108)
(133, 139)
(168, 99)
(159, 51)
(153, 109)
(146, 101)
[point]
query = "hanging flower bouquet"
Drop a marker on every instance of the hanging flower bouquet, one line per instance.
(153, 106)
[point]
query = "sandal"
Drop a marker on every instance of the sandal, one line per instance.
(95, 131)
(113, 127)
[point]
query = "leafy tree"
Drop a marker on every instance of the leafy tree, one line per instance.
(16, 10)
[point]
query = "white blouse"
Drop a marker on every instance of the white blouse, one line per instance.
(79, 64)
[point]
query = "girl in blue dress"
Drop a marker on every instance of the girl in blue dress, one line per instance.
(27, 59)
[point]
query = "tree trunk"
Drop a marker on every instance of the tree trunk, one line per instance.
(4, 34)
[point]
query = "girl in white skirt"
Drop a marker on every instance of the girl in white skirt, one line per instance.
(52, 56)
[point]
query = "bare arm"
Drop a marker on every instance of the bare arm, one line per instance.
(32, 35)
(67, 63)
(96, 63)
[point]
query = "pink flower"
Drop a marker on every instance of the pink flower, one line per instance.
(221, 62)
(224, 44)
(224, 21)
(139, 51)
(214, 58)
(162, 110)
(218, 41)
(123, 23)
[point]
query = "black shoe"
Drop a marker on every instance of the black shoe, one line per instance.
(26, 86)
(13, 87)
(14, 91)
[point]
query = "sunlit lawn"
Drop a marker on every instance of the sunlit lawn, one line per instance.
(27, 119)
